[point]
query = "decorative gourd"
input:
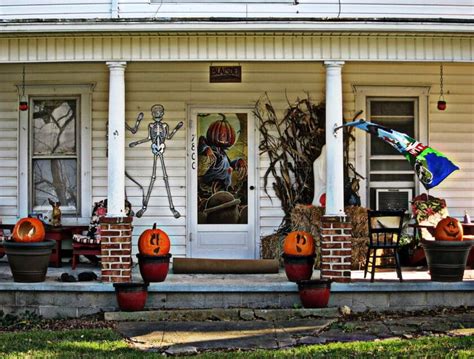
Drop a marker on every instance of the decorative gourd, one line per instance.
(154, 242)
(449, 229)
(221, 134)
(28, 230)
(299, 243)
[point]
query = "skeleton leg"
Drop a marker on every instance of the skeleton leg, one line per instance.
(150, 188)
(176, 214)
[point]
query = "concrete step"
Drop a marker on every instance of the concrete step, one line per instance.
(219, 314)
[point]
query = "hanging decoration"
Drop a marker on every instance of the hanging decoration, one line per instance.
(158, 133)
(441, 101)
(23, 106)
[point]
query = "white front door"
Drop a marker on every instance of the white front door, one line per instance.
(221, 201)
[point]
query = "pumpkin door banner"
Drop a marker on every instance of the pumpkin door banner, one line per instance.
(222, 168)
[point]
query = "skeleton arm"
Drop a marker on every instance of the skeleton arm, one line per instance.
(134, 129)
(171, 134)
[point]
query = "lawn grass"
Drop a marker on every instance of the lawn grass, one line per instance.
(105, 343)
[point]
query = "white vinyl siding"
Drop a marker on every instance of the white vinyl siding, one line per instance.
(178, 85)
(89, 9)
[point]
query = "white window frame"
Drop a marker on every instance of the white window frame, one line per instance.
(84, 93)
(361, 95)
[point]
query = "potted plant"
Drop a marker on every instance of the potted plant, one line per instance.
(28, 252)
(131, 296)
(447, 254)
(154, 256)
(314, 293)
(298, 255)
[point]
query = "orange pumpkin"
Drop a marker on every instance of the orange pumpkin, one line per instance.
(299, 243)
(449, 229)
(154, 242)
(28, 230)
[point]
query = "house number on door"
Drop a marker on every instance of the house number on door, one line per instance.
(193, 153)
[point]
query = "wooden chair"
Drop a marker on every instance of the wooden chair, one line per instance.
(385, 229)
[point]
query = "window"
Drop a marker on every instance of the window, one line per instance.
(55, 151)
(390, 179)
(55, 165)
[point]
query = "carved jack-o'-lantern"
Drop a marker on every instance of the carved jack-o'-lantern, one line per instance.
(28, 230)
(449, 229)
(299, 243)
(221, 134)
(154, 242)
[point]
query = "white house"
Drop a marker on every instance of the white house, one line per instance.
(106, 61)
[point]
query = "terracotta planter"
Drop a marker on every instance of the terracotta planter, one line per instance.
(29, 260)
(447, 259)
(131, 296)
(314, 293)
(154, 268)
(298, 267)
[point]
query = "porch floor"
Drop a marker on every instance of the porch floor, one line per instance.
(410, 274)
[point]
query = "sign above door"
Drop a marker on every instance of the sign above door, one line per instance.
(225, 74)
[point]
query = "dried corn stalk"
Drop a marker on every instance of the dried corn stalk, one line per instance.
(291, 144)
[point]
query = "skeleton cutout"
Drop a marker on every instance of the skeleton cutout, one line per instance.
(158, 133)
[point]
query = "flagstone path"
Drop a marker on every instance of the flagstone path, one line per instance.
(188, 337)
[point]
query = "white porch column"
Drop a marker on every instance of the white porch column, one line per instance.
(116, 140)
(334, 142)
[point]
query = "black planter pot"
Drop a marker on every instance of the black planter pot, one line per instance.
(447, 259)
(29, 261)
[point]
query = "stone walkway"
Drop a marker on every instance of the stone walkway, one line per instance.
(190, 337)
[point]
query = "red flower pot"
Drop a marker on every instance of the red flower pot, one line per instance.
(298, 267)
(131, 296)
(154, 268)
(314, 293)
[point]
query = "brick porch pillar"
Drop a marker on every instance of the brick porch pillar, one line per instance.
(336, 248)
(116, 249)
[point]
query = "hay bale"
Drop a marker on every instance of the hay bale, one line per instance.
(359, 252)
(271, 246)
(360, 235)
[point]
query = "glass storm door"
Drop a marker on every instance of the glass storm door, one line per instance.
(222, 170)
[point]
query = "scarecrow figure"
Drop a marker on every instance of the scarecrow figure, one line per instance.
(219, 138)
(158, 133)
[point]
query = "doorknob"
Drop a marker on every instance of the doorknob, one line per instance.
(252, 188)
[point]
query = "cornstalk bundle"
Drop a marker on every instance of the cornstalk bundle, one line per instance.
(291, 144)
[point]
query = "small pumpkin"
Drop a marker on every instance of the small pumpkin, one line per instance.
(154, 242)
(299, 243)
(28, 230)
(449, 229)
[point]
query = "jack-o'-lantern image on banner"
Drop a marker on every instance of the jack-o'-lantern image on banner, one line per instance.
(222, 168)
